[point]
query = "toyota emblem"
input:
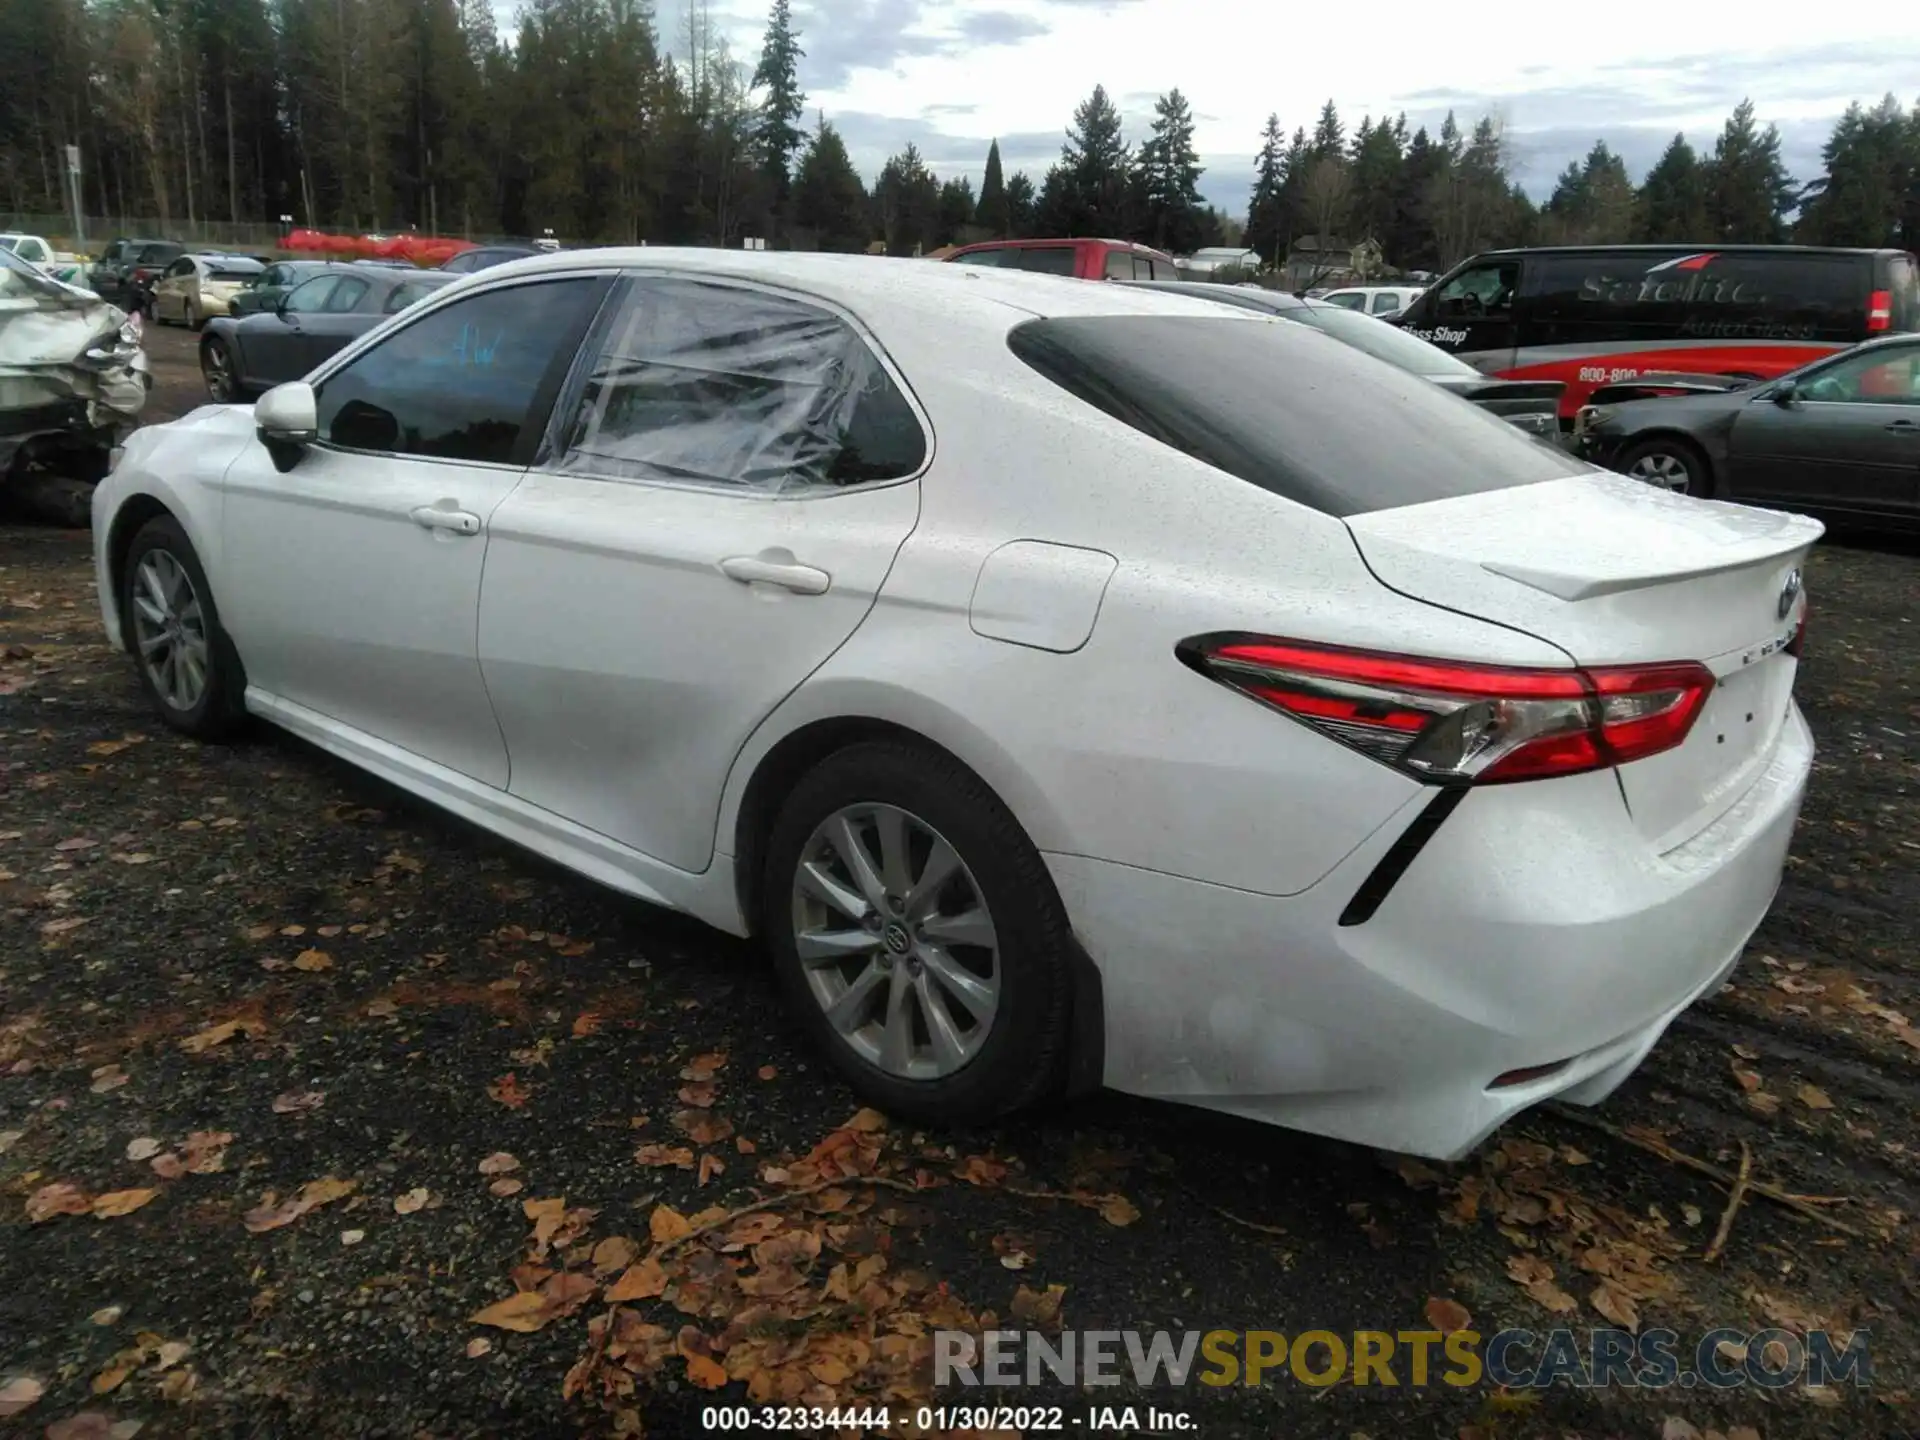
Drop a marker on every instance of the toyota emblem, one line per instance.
(1789, 593)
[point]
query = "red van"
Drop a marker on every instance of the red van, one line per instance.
(1607, 314)
(1083, 259)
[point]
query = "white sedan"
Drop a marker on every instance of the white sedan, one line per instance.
(1068, 684)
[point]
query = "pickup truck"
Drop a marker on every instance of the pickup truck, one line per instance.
(36, 251)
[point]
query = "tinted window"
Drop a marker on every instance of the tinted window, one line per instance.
(1888, 376)
(1703, 295)
(1298, 414)
(461, 383)
(1382, 341)
(1904, 286)
(311, 297)
(982, 257)
(1047, 259)
(180, 267)
(1119, 266)
(462, 263)
(158, 254)
(719, 384)
(233, 270)
(406, 293)
(345, 296)
(1483, 290)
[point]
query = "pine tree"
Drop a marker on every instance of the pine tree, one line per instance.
(992, 214)
(779, 75)
(828, 198)
(908, 198)
(1748, 189)
(1021, 203)
(1168, 171)
(1673, 198)
(1328, 136)
(1871, 163)
(1265, 232)
(1087, 192)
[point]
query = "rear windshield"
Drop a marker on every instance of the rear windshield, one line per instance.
(1703, 294)
(1298, 414)
(1382, 341)
(1046, 259)
(234, 270)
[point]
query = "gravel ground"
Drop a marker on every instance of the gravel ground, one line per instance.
(297, 1076)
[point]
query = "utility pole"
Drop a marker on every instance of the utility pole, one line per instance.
(79, 216)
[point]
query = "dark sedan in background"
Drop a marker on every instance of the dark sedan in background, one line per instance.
(1529, 405)
(126, 270)
(277, 280)
(240, 358)
(485, 257)
(1840, 437)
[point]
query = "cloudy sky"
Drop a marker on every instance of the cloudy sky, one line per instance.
(951, 76)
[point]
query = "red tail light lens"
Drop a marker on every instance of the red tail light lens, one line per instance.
(1445, 720)
(1796, 647)
(1879, 310)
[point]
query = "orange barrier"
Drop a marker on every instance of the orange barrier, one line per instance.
(422, 250)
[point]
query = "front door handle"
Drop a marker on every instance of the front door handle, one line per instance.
(444, 517)
(776, 567)
(1904, 427)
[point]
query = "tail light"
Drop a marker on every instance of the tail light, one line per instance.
(1797, 646)
(1446, 720)
(1879, 310)
(140, 277)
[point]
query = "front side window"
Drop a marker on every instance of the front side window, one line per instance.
(311, 298)
(179, 268)
(1482, 291)
(461, 383)
(405, 293)
(1386, 302)
(1879, 377)
(722, 385)
(345, 296)
(1346, 299)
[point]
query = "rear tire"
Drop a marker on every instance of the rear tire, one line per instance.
(1667, 462)
(187, 663)
(946, 998)
(216, 368)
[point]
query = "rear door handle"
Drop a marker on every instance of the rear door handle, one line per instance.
(1904, 427)
(444, 517)
(776, 567)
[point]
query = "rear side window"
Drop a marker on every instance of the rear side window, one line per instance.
(717, 384)
(1163, 270)
(1699, 295)
(1119, 266)
(1047, 259)
(346, 295)
(1297, 413)
(982, 257)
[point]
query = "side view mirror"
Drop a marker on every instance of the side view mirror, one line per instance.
(285, 418)
(1786, 395)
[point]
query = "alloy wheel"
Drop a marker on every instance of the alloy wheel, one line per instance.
(170, 630)
(1663, 470)
(217, 367)
(895, 941)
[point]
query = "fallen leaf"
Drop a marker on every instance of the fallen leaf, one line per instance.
(78, 842)
(1746, 1052)
(699, 1094)
(292, 930)
(145, 1148)
(766, 1072)
(19, 1393)
(59, 1198)
(705, 1372)
(498, 1163)
(298, 1102)
(710, 1166)
(702, 1127)
(414, 1200)
(639, 1282)
(1675, 1428)
(382, 1008)
(108, 1315)
(584, 1024)
(1447, 1316)
(117, 1373)
(179, 1386)
(92, 1425)
(313, 960)
(1814, 1098)
(508, 1091)
(169, 1166)
(1575, 1157)
(1118, 1210)
(63, 925)
(352, 1237)
(866, 1121)
(108, 1077)
(506, 1185)
(523, 1312)
(1616, 1305)
(1750, 1081)
(171, 1354)
(206, 1151)
(704, 1067)
(268, 1216)
(667, 1225)
(121, 1202)
(204, 1040)
(478, 1346)
(1038, 1307)
(663, 1155)
(1764, 1103)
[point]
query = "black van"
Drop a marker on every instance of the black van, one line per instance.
(1601, 314)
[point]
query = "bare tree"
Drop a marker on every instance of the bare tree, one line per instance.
(1328, 192)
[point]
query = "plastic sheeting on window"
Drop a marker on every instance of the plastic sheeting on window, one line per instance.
(720, 384)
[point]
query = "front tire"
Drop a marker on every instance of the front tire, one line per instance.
(187, 664)
(918, 935)
(1667, 462)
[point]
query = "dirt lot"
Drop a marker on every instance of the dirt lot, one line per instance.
(297, 1076)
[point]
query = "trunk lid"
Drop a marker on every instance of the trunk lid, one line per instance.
(1615, 572)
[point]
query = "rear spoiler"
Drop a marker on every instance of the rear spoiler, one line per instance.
(1650, 386)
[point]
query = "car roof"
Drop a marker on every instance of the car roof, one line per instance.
(1787, 250)
(871, 285)
(1058, 244)
(1240, 297)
